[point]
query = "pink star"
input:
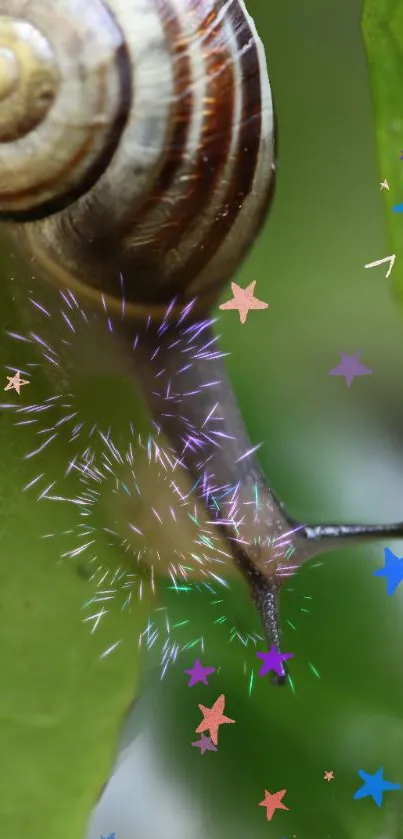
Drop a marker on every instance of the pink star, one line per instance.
(328, 776)
(198, 673)
(272, 801)
(212, 718)
(243, 300)
(273, 661)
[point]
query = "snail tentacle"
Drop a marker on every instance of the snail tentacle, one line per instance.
(329, 537)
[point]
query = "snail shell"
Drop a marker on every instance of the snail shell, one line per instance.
(137, 141)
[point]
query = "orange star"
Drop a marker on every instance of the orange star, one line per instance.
(15, 382)
(243, 300)
(272, 801)
(328, 776)
(212, 718)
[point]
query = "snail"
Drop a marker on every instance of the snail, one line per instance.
(138, 140)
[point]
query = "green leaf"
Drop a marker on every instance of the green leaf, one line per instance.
(61, 702)
(382, 28)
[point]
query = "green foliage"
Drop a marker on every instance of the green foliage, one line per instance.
(61, 704)
(382, 28)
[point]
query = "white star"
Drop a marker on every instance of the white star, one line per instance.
(384, 185)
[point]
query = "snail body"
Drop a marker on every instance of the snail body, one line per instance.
(137, 144)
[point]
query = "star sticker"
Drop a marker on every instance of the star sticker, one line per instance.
(212, 718)
(273, 802)
(16, 382)
(328, 776)
(350, 366)
(374, 786)
(205, 744)
(392, 570)
(273, 661)
(243, 300)
(198, 673)
(384, 185)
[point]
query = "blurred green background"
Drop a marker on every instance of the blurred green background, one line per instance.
(330, 453)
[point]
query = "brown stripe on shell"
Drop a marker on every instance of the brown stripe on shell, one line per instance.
(71, 194)
(218, 103)
(212, 290)
(180, 117)
(246, 158)
(261, 213)
(140, 264)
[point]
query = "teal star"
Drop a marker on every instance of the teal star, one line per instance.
(392, 570)
(374, 786)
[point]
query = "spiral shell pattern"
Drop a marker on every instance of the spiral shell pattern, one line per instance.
(186, 191)
(64, 98)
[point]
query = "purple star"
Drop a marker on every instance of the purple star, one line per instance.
(205, 744)
(198, 673)
(272, 661)
(350, 366)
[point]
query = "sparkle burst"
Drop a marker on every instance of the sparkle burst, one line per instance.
(69, 345)
(164, 493)
(185, 570)
(69, 332)
(155, 520)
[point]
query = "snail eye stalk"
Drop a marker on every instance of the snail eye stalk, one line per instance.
(265, 593)
(266, 598)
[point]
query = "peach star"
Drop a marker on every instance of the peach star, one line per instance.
(16, 382)
(243, 300)
(328, 776)
(272, 801)
(212, 718)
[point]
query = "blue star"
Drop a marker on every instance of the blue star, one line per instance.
(393, 571)
(111, 836)
(374, 786)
